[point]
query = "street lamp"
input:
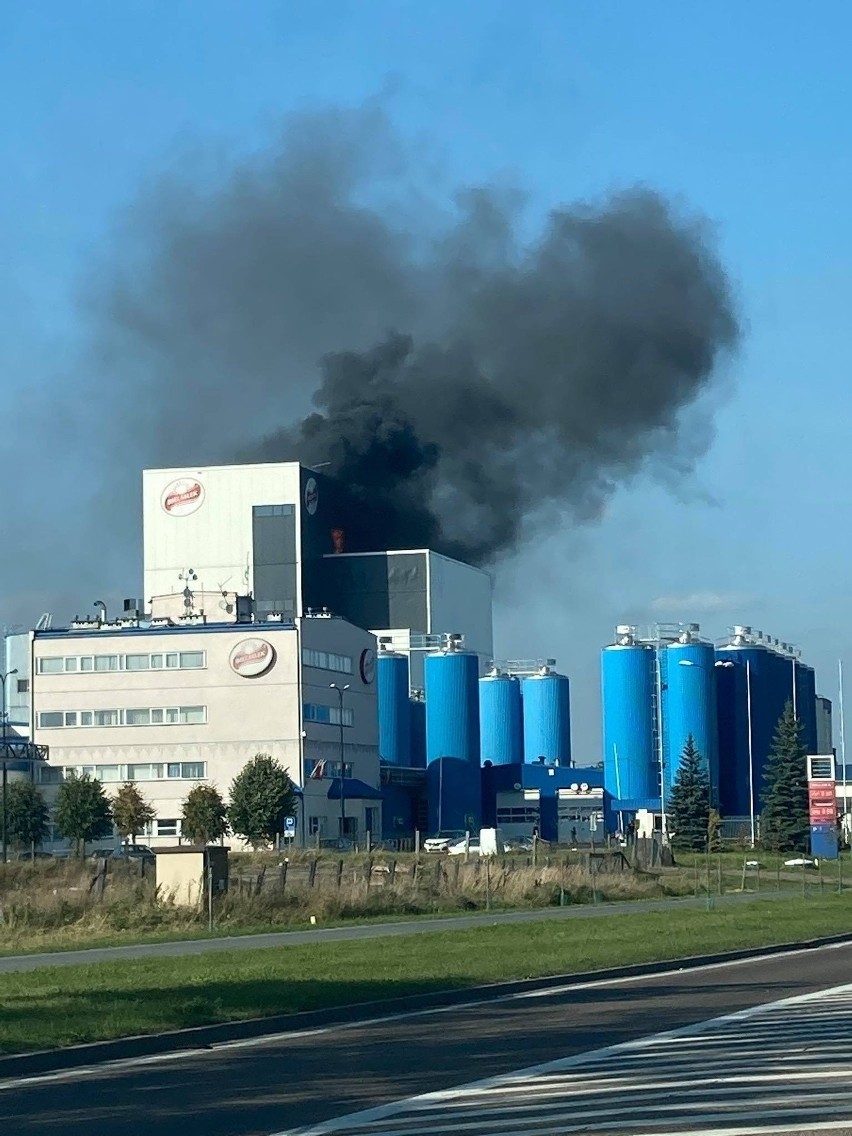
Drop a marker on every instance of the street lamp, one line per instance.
(341, 690)
(3, 678)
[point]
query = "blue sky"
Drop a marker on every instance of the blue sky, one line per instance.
(740, 110)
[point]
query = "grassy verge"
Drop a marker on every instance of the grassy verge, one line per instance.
(56, 1007)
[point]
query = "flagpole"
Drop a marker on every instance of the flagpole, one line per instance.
(842, 736)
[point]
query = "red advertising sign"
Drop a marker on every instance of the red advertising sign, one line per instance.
(823, 791)
(822, 799)
(823, 814)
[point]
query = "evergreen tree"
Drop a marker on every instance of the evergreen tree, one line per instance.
(131, 812)
(262, 795)
(82, 810)
(204, 817)
(689, 802)
(785, 820)
(26, 814)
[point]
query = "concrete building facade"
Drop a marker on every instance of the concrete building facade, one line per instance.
(171, 706)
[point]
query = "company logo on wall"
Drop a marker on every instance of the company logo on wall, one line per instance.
(252, 657)
(367, 665)
(311, 495)
(182, 497)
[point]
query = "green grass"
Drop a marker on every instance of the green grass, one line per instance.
(62, 1006)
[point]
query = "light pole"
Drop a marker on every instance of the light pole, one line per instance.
(341, 690)
(3, 678)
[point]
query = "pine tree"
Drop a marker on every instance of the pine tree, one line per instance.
(26, 814)
(82, 810)
(785, 821)
(131, 812)
(262, 796)
(689, 802)
(204, 817)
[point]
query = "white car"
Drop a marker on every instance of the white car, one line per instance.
(441, 842)
(462, 846)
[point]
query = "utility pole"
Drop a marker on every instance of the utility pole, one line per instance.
(5, 743)
(341, 690)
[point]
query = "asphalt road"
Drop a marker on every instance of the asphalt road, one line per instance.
(298, 1081)
(365, 931)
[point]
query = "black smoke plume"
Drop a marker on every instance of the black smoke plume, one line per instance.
(472, 379)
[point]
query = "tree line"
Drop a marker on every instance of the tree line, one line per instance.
(784, 818)
(261, 796)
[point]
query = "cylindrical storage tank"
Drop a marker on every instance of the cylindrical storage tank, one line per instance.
(417, 720)
(806, 704)
(452, 741)
(763, 690)
(394, 709)
(627, 694)
(688, 674)
(547, 718)
(501, 720)
(732, 718)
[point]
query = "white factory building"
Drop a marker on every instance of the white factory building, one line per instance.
(257, 598)
(173, 706)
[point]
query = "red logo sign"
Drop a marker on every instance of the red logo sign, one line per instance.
(182, 497)
(252, 657)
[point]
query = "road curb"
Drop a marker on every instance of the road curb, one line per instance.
(207, 1037)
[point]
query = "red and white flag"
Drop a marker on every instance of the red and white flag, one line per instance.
(318, 771)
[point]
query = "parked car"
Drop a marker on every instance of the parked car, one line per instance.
(38, 855)
(518, 844)
(442, 841)
(462, 846)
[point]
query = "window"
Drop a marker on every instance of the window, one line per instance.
(106, 662)
(71, 664)
(137, 662)
(87, 663)
(108, 772)
(70, 718)
(326, 661)
(157, 717)
(75, 664)
(316, 825)
(85, 717)
(168, 827)
(193, 770)
(105, 717)
(49, 720)
(273, 510)
(528, 815)
(156, 662)
(192, 715)
(152, 772)
(50, 666)
(327, 715)
(137, 717)
(50, 775)
(23, 686)
(191, 660)
(172, 660)
(172, 715)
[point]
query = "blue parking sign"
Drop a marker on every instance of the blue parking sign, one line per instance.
(289, 826)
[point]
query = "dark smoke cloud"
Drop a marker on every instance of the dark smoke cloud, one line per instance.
(469, 380)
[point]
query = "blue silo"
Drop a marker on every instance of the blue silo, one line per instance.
(628, 699)
(763, 689)
(688, 683)
(806, 704)
(500, 720)
(417, 719)
(547, 718)
(394, 708)
(453, 741)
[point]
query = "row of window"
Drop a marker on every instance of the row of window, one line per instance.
(326, 661)
(330, 769)
(135, 716)
(86, 664)
(140, 771)
(327, 715)
(528, 814)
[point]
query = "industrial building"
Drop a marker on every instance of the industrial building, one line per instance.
(268, 625)
(174, 706)
(665, 684)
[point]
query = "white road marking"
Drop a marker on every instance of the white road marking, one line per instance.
(661, 1085)
(105, 1068)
